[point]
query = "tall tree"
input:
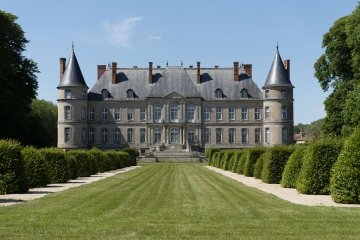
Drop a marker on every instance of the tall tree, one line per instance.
(339, 69)
(18, 82)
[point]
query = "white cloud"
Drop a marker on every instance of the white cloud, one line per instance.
(120, 34)
(151, 37)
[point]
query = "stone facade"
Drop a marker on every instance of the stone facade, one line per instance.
(182, 107)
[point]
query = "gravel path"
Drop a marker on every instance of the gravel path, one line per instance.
(288, 194)
(35, 193)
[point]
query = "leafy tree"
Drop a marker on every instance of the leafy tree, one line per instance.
(17, 79)
(43, 121)
(339, 68)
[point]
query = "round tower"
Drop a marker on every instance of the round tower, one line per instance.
(72, 105)
(278, 104)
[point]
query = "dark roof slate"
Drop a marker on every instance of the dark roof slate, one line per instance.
(72, 76)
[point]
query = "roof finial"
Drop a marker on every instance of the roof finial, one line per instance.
(72, 44)
(167, 63)
(181, 63)
(277, 47)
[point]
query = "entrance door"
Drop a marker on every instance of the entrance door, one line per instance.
(174, 135)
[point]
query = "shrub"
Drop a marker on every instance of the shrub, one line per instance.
(319, 157)
(114, 159)
(231, 161)
(236, 157)
(241, 162)
(85, 164)
(12, 172)
(226, 159)
(274, 163)
(35, 167)
(133, 153)
(100, 159)
(259, 166)
(125, 159)
(72, 166)
(345, 175)
(217, 159)
(210, 152)
(56, 164)
(293, 168)
(252, 156)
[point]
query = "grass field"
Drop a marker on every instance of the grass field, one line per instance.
(173, 201)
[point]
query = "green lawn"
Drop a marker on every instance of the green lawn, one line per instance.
(173, 201)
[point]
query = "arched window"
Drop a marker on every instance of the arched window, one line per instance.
(104, 94)
(219, 93)
(130, 93)
(244, 93)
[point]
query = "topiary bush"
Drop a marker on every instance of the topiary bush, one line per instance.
(217, 159)
(293, 168)
(72, 166)
(241, 162)
(210, 152)
(226, 159)
(345, 174)
(12, 171)
(319, 157)
(236, 157)
(35, 167)
(98, 156)
(56, 164)
(252, 156)
(274, 163)
(133, 153)
(259, 165)
(85, 165)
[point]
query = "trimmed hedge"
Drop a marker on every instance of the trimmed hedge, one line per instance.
(319, 157)
(73, 166)
(236, 158)
(85, 163)
(259, 165)
(12, 172)
(133, 153)
(226, 159)
(252, 156)
(35, 167)
(293, 168)
(56, 164)
(274, 163)
(241, 162)
(345, 175)
(217, 159)
(210, 152)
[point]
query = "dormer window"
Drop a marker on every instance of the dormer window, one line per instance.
(244, 93)
(104, 94)
(67, 94)
(218, 93)
(130, 93)
(284, 93)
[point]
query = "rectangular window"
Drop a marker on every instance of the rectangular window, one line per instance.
(130, 114)
(267, 113)
(83, 135)
(157, 135)
(190, 113)
(284, 112)
(117, 114)
(207, 114)
(257, 135)
(67, 110)
(142, 114)
(67, 135)
(104, 114)
(104, 135)
(244, 135)
(130, 135)
(267, 93)
(142, 135)
(244, 113)
(219, 135)
(284, 94)
(231, 113)
(218, 113)
(174, 113)
(207, 135)
(191, 135)
(232, 135)
(83, 113)
(91, 113)
(83, 95)
(257, 113)
(284, 135)
(68, 94)
(117, 135)
(157, 113)
(91, 135)
(267, 135)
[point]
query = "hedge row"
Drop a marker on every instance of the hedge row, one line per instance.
(326, 166)
(22, 168)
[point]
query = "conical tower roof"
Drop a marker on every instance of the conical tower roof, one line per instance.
(72, 76)
(278, 75)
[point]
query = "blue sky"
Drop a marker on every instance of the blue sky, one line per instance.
(132, 33)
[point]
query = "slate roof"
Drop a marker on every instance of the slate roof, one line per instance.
(175, 80)
(277, 75)
(72, 76)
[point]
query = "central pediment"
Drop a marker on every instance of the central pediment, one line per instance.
(174, 95)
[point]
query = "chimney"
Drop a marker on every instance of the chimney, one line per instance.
(113, 72)
(62, 67)
(287, 67)
(248, 69)
(100, 71)
(198, 76)
(150, 72)
(236, 71)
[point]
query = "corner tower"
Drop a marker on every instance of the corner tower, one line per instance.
(278, 104)
(72, 105)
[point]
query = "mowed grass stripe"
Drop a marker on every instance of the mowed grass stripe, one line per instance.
(173, 201)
